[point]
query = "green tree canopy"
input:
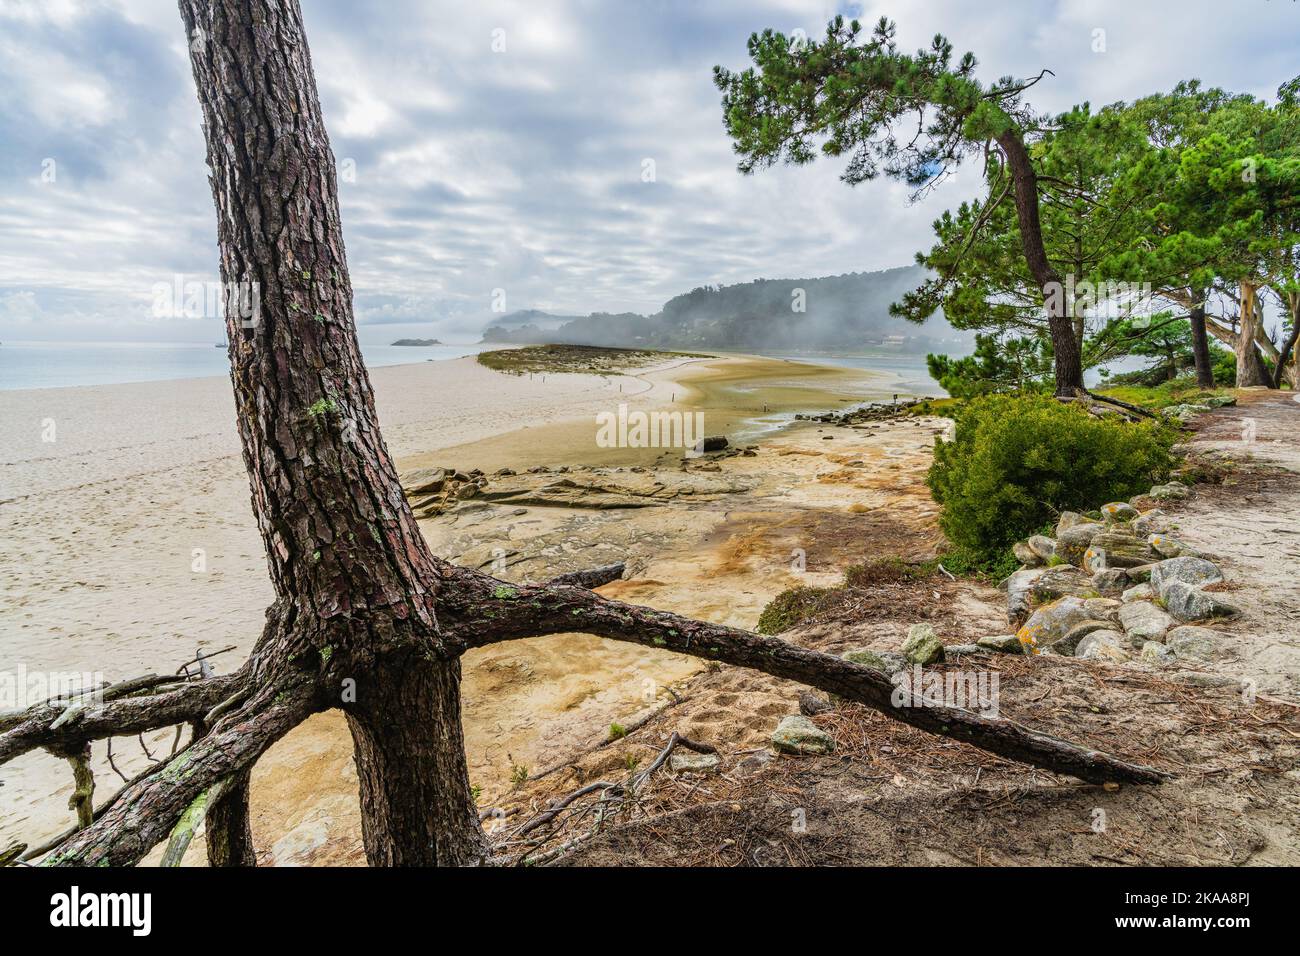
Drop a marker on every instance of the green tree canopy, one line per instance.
(909, 116)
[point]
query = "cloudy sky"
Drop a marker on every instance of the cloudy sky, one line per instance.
(518, 168)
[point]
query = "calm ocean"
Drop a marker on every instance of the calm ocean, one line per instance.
(57, 364)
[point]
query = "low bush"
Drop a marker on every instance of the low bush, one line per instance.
(790, 607)
(1016, 462)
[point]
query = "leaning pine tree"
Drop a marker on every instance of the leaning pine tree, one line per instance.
(911, 116)
(365, 618)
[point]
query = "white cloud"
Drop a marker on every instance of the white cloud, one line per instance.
(519, 169)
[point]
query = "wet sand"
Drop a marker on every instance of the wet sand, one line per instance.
(128, 543)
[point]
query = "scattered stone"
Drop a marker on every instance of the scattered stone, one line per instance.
(1104, 646)
(1094, 561)
(1073, 542)
(1194, 643)
(1070, 642)
(425, 481)
(961, 650)
(1209, 680)
(1059, 582)
(1143, 621)
(1068, 520)
(1138, 592)
(1102, 609)
(1123, 548)
(1110, 581)
(1149, 522)
(1140, 574)
(1153, 652)
(1042, 546)
(1184, 413)
(688, 762)
(797, 734)
(1189, 603)
(1164, 545)
(923, 645)
(1019, 594)
(1026, 555)
(1193, 571)
(712, 443)
(1003, 643)
(1052, 622)
(1118, 511)
(1174, 491)
(755, 762)
(812, 704)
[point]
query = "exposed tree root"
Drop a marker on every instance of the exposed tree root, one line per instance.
(65, 727)
(145, 812)
(532, 611)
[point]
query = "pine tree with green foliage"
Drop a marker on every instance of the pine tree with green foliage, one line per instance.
(912, 117)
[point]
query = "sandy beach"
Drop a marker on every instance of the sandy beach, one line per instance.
(128, 545)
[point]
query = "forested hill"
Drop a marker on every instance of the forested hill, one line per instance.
(845, 311)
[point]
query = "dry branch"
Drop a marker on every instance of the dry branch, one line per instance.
(48, 725)
(591, 578)
(519, 612)
(145, 812)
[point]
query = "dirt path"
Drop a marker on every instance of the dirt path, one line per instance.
(1250, 524)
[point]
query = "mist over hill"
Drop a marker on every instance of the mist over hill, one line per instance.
(848, 311)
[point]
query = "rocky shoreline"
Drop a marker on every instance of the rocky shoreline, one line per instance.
(436, 491)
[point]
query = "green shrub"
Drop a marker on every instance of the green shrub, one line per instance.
(888, 571)
(790, 607)
(993, 566)
(1017, 461)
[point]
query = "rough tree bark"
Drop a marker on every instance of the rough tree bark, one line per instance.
(1250, 366)
(365, 619)
(1067, 354)
(229, 834)
(1200, 342)
(1287, 368)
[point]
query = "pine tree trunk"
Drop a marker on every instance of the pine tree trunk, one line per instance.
(355, 583)
(416, 805)
(1250, 366)
(1201, 343)
(1288, 361)
(229, 836)
(1067, 354)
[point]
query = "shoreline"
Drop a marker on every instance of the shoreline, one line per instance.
(105, 526)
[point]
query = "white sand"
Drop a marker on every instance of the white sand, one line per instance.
(98, 529)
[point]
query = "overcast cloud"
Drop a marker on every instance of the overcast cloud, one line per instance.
(522, 169)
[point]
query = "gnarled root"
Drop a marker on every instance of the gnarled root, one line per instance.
(530, 611)
(145, 812)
